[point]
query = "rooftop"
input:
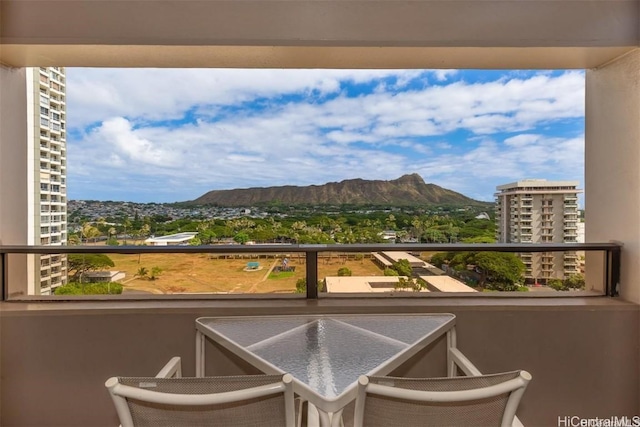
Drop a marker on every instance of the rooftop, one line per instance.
(350, 284)
(172, 238)
(537, 183)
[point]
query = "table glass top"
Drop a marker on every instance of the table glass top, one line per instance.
(327, 353)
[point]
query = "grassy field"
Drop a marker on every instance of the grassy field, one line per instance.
(199, 273)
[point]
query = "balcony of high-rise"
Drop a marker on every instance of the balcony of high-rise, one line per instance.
(583, 351)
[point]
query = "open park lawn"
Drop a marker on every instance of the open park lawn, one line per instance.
(199, 273)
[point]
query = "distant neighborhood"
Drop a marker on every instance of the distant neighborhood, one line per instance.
(92, 210)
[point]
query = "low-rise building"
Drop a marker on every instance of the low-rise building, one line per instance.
(355, 284)
(103, 276)
(171, 239)
(444, 283)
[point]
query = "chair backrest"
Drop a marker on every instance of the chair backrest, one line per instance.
(251, 400)
(487, 400)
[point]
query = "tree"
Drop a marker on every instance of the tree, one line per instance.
(557, 284)
(501, 271)
(126, 224)
(403, 267)
(155, 273)
(112, 237)
(301, 286)
(112, 241)
(439, 259)
(79, 264)
(575, 281)
(435, 235)
(415, 285)
(496, 271)
(390, 272)
(144, 231)
(418, 226)
(110, 288)
(241, 238)
(207, 236)
(390, 222)
(478, 228)
(89, 232)
(142, 272)
(479, 239)
(344, 271)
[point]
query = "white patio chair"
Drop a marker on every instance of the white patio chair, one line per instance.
(169, 400)
(486, 400)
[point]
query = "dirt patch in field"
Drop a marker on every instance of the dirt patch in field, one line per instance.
(202, 273)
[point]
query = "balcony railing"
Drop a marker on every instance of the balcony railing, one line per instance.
(611, 250)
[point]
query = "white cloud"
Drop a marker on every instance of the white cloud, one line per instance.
(378, 135)
(443, 75)
(493, 163)
(117, 134)
(96, 94)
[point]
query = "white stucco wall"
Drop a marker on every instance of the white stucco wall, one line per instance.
(13, 175)
(612, 164)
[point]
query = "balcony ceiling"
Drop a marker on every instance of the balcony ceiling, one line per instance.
(318, 33)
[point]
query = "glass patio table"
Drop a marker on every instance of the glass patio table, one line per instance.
(325, 353)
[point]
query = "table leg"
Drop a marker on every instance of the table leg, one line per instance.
(336, 419)
(199, 354)
(325, 420)
(313, 416)
(451, 343)
(317, 417)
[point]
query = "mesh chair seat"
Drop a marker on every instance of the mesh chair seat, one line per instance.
(176, 410)
(440, 401)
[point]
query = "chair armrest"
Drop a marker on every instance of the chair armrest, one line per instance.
(470, 370)
(173, 369)
(463, 363)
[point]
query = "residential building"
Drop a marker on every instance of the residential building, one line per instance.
(46, 150)
(540, 211)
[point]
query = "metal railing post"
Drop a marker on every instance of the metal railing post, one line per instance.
(607, 272)
(614, 277)
(4, 277)
(312, 274)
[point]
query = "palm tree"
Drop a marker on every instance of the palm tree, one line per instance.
(155, 272)
(112, 231)
(142, 272)
(89, 231)
(126, 223)
(145, 231)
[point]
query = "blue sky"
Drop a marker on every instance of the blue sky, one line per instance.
(167, 135)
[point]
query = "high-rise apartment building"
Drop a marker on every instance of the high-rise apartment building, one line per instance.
(46, 176)
(540, 211)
